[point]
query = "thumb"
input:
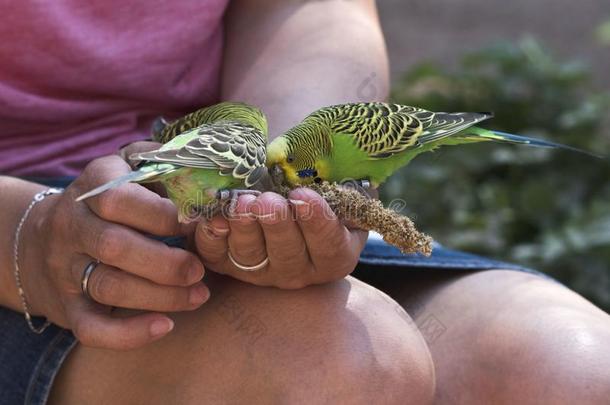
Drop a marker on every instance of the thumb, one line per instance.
(95, 326)
(137, 147)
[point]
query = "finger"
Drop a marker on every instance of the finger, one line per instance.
(246, 240)
(285, 244)
(137, 254)
(110, 286)
(211, 242)
(139, 208)
(359, 238)
(129, 204)
(358, 235)
(330, 243)
(137, 147)
(93, 326)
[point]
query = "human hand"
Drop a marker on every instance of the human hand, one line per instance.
(304, 240)
(62, 236)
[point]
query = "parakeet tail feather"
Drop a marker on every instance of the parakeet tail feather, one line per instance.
(138, 176)
(499, 136)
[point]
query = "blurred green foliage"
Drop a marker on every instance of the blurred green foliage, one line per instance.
(603, 33)
(546, 209)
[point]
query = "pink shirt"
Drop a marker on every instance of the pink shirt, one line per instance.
(80, 78)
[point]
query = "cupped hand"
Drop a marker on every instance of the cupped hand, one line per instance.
(303, 239)
(62, 236)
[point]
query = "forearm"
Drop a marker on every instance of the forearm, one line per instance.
(15, 195)
(293, 57)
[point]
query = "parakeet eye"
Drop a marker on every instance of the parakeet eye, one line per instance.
(317, 180)
(289, 158)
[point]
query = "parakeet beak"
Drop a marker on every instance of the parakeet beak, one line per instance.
(277, 174)
(276, 170)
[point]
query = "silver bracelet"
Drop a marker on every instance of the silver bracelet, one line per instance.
(26, 308)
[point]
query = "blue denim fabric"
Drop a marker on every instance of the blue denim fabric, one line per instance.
(29, 362)
(378, 253)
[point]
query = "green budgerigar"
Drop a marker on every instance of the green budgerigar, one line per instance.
(212, 154)
(369, 141)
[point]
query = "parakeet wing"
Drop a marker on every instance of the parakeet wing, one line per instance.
(381, 129)
(164, 132)
(233, 148)
(444, 124)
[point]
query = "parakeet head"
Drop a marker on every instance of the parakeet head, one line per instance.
(299, 154)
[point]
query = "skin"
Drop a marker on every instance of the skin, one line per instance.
(258, 38)
(339, 343)
(64, 235)
(342, 342)
(505, 337)
(301, 252)
(101, 226)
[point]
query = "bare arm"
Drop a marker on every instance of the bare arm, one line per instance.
(15, 196)
(292, 57)
(61, 237)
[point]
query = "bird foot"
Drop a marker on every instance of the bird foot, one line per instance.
(363, 186)
(232, 196)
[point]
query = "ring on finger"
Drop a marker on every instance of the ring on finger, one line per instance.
(84, 283)
(242, 267)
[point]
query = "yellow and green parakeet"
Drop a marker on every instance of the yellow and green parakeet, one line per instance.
(209, 155)
(370, 141)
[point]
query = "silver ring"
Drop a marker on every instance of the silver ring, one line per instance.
(84, 282)
(248, 268)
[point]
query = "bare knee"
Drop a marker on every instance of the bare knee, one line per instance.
(352, 344)
(342, 342)
(540, 342)
(339, 343)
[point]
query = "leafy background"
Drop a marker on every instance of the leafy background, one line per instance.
(546, 209)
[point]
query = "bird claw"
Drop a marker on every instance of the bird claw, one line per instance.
(363, 186)
(232, 196)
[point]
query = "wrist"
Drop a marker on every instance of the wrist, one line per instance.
(16, 195)
(33, 256)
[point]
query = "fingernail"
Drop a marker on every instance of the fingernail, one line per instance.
(240, 215)
(297, 202)
(161, 327)
(220, 231)
(213, 232)
(272, 215)
(195, 274)
(198, 294)
(301, 208)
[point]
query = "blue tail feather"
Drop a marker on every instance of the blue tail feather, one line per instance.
(504, 136)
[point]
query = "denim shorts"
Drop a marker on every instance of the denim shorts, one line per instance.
(30, 362)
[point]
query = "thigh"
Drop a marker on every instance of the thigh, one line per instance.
(506, 336)
(265, 345)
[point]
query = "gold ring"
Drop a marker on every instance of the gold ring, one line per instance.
(248, 268)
